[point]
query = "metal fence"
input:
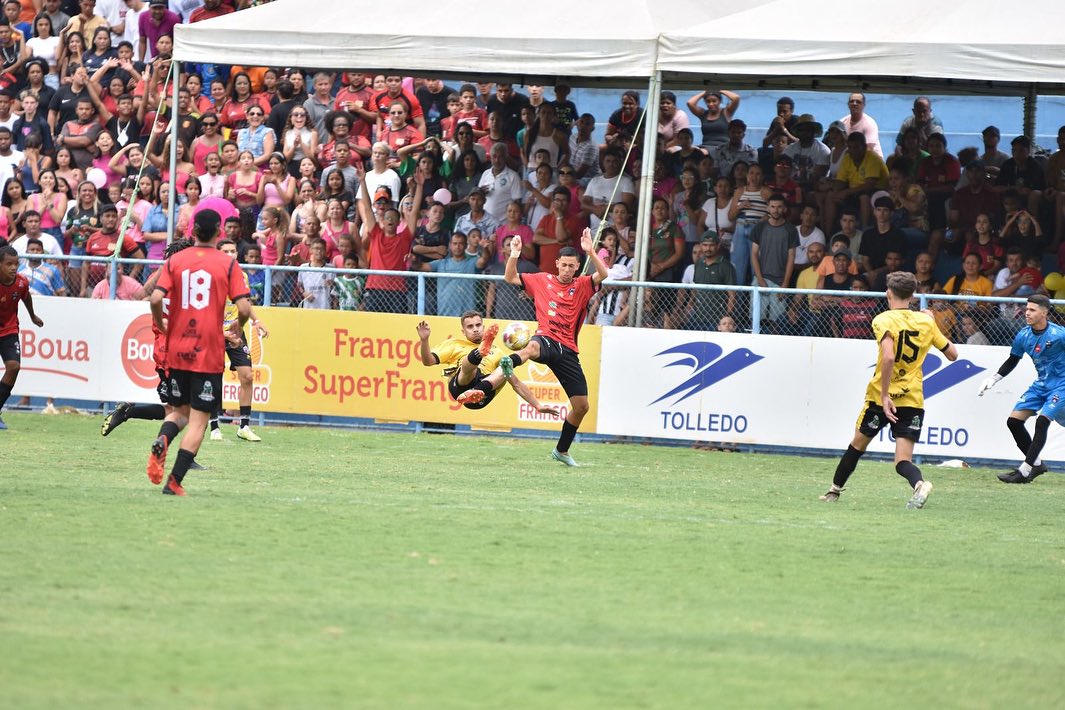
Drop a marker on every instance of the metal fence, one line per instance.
(816, 313)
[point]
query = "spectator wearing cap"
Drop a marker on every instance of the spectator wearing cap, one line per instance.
(857, 121)
(782, 123)
(923, 120)
(155, 23)
(861, 173)
(938, 174)
(838, 243)
(810, 157)
(670, 119)
(734, 150)
(993, 157)
(380, 175)
(881, 238)
(1023, 175)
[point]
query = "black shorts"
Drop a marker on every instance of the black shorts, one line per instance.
(565, 364)
(239, 355)
(456, 389)
(10, 350)
(163, 388)
(200, 390)
(908, 426)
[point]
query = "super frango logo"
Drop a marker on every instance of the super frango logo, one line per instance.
(707, 367)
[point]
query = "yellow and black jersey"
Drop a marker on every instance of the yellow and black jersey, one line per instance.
(451, 351)
(913, 333)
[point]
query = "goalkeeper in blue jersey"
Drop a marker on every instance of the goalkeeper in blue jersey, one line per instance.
(1044, 342)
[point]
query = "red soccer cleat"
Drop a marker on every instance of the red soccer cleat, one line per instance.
(173, 488)
(470, 396)
(157, 460)
(488, 339)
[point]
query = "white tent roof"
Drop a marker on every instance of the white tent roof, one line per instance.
(975, 40)
(597, 38)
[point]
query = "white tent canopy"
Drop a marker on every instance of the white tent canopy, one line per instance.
(972, 41)
(544, 39)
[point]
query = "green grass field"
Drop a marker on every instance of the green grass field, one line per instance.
(345, 569)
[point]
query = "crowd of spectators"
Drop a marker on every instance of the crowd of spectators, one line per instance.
(346, 170)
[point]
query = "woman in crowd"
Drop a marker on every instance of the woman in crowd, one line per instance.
(50, 203)
(66, 169)
(619, 218)
(105, 146)
(666, 250)
(466, 176)
(14, 199)
(209, 141)
(277, 188)
(156, 222)
(185, 213)
(538, 195)
(545, 135)
(335, 225)
(242, 189)
(750, 205)
(335, 189)
(101, 51)
(688, 207)
(81, 220)
(234, 111)
(299, 140)
(305, 208)
(184, 170)
(713, 117)
(256, 137)
(273, 237)
(716, 210)
(200, 105)
(70, 51)
(45, 45)
(33, 163)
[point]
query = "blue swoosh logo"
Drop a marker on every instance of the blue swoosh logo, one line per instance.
(707, 369)
(937, 380)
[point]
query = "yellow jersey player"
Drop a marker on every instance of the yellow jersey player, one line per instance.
(895, 395)
(239, 355)
(476, 369)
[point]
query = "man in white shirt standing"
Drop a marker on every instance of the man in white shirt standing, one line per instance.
(501, 185)
(596, 200)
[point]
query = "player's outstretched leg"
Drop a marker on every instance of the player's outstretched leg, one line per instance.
(1024, 442)
(124, 411)
(847, 463)
(488, 338)
(1029, 468)
(157, 456)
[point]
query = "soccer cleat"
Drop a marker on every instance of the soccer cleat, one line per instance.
(488, 339)
(920, 494)
(832, 496)
(470, 397)
(157, 460)
(563, 458)
(247, 434)
(116, 417)
(197, 466)
(507, 366)
(1015, 476)
(216, 435)
(172, 487)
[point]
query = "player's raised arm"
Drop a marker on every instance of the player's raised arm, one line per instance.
(525, 393)
(588, 246)
(426, 355)
(887, 366)
(510, 273)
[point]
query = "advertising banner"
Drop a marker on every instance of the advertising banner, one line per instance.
(313, 362)
(797, 392)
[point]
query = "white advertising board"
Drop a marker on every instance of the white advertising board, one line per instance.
(90, 350)
(797, 392)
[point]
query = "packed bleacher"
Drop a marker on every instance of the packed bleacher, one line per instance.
(333, 173)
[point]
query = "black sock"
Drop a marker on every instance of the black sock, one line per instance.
(181, 465)
(566, 437)
(846, 465)
(154, 412)
(1042, 425)
(5, 392)
(170, 431)
(1020, 434)
(485, 387)
(910, 472)
(474, 357)
(516, 359)
(245, 415)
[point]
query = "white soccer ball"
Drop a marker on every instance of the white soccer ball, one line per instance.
(516, 336)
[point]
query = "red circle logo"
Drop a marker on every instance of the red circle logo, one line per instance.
(138, 346)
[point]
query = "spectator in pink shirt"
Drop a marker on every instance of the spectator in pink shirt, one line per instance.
(155, 23)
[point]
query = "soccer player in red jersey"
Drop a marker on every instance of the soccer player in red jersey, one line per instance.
(13, 288)
(197, 282)
(561, 306)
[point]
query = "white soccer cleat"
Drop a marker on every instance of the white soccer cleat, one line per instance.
(247, 434)
(920, 495)
(216, 435)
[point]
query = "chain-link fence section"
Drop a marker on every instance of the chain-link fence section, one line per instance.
(812, 313)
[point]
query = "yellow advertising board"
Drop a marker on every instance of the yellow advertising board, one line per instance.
(339, 363)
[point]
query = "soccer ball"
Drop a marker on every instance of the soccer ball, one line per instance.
(516, 336)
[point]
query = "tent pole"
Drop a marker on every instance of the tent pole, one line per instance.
(1029, 113)
(171, 221)
(647, 173)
